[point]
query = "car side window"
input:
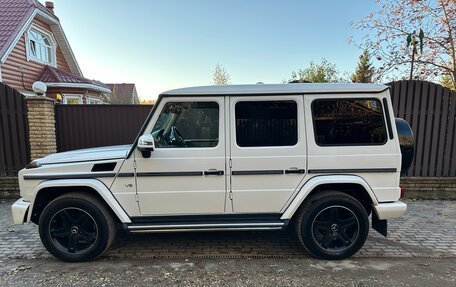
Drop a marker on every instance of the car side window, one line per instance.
(339, 122)
(266, 123)
(187, 125)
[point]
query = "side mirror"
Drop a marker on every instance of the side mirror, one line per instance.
(146, 145)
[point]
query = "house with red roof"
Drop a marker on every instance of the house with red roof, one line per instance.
(123, 94)
(33, 47)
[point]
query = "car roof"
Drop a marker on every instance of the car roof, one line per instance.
(278, 89)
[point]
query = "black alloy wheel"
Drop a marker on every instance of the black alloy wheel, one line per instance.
(332, 225)
(76, 227)
(73, 230)
(335, 228)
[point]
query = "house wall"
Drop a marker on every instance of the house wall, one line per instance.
(17, 61)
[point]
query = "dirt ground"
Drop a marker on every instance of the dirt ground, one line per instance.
(231, 272)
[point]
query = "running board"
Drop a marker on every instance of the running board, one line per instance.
(244, 226)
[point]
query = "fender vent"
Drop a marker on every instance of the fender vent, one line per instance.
(109, 166)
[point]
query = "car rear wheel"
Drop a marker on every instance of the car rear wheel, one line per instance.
(332, 225)
(76, 227)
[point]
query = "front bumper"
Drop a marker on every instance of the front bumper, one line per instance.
(389, 210)
(19, 209)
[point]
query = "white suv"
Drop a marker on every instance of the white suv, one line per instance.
(316, 157)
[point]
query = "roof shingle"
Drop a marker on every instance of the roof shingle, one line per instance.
(54, 75)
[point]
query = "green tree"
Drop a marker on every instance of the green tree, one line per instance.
(364, 71)
(220, 76)
(323, 72)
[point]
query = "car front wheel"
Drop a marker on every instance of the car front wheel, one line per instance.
(76, 227)
(332, 225)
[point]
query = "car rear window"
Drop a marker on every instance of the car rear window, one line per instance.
(348, 122)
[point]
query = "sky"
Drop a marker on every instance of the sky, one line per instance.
(166, 44)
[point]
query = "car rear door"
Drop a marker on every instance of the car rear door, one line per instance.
(267, 151)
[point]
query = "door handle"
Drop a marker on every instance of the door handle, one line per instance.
(214, 172)
(290, 171)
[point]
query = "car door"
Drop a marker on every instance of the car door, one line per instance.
(267, 151)
(349, 135)
(185, 174)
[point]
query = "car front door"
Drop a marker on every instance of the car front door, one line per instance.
(185, 174)
(267, 151)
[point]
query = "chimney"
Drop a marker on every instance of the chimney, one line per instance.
(50, 6)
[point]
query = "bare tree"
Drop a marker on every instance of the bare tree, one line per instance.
(389, 28)
(220, 76)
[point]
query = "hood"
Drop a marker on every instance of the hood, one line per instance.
(90, 154)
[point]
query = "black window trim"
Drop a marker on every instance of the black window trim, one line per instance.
(348, 145)
(388, 118)
(268, 100)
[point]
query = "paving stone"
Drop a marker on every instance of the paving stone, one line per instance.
(426, 230)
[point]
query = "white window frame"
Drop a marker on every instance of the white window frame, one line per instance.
(94, 101)
(53, 46)
(72, 96)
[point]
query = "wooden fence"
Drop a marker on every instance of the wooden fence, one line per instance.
(430, 110)
(14, 147)
(85, 126)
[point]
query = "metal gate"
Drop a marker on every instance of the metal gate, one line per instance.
(14, 147)
(85, 126)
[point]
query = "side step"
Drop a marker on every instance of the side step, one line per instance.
(192, 227)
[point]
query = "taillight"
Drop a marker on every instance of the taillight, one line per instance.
(402, 192)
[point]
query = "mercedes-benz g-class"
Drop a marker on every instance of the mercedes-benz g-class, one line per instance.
(319, 158)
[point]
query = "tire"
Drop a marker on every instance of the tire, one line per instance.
(332, 225)
(76, 227)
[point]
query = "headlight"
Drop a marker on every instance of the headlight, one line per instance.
(33, 164)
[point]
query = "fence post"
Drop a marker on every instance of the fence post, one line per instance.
(41, 121)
